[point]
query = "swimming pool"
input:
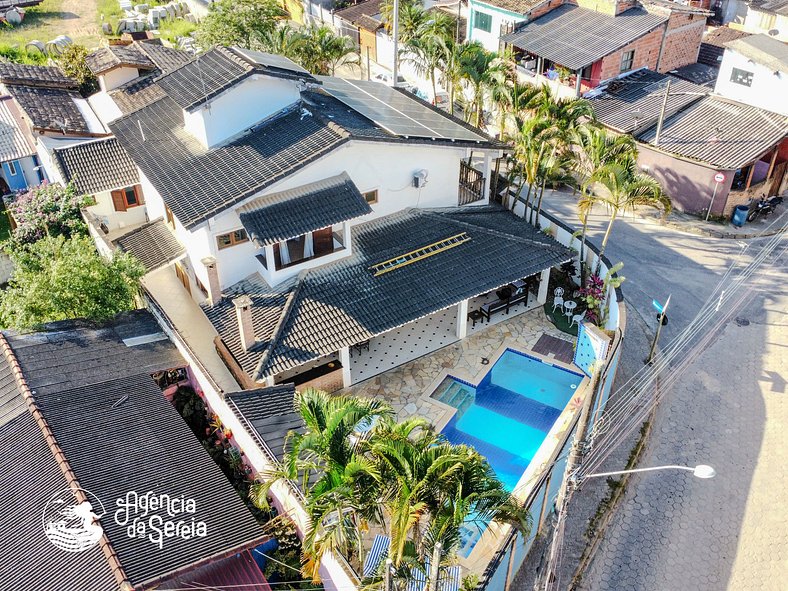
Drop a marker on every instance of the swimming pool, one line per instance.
(507, 416)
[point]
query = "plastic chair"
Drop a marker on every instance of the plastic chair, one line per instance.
(577, 318)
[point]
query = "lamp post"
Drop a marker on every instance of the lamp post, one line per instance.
(661, 321)
(699, 471)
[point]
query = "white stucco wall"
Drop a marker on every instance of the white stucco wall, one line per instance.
(116, 77)
(239, 108)
(491, 40)
(768, 91)
(105, 211)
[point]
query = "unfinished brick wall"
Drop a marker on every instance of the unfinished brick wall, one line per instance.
(612, 7)
(646, 54)
(682, 41)
(542, 9)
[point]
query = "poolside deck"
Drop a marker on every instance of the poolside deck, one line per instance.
(404, 387)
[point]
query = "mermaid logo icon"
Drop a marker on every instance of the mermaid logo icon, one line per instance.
(70, 525)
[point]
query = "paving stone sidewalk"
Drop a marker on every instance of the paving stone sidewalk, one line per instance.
(762, 226)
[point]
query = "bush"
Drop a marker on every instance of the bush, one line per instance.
(49, 209)
(72, 62)
(172, 29)
(57, 278)
(20, 55)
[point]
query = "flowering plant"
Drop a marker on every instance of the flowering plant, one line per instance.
(593, 294)
(49, 209)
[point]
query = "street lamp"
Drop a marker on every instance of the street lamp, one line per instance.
(699, 471)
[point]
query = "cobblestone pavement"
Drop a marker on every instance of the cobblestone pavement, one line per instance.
(675, 532)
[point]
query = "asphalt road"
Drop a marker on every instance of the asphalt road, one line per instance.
(729, 409)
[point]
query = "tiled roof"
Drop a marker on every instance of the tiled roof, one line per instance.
(268, 413)
(239, 572)
(197, 183)
(164, 58)
(29, 477)
(701, 74)
(15, 139)
(288, 214)
(764, 50)
(713, 45)
(634, 101)
(576, 37)
(343, 303)
(137, 93)
(45, 76)
(720, 132)
(152, 243)
(366, 14)
(97, 166)
(51, 109)
(220, 68)
(774, 6)
(105, 59)
(518, 6)
(120, 435)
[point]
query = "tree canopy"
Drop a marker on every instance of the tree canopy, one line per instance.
(246, 23)
(56, 278)
(72, 62)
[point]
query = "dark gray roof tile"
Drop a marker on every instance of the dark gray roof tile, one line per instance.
(166, 59)
(288, 214)
(700, 74)
(576, 37)
(97, 166)
(137, 93)
(28, 75)
(51, 108)
(152, 243)
(108, 58)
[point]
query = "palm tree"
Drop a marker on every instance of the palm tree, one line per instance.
(322, 51)
(529, 146)
(482, 70)
(284, 40)
(424, 52)
(622, 188)
(340, 483)
(593, 148)
(450, 66)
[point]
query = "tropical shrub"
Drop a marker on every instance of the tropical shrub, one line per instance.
(49, 209)
(72, 62)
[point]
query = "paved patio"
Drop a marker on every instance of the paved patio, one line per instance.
(404, 386)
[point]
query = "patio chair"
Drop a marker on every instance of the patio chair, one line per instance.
(378, 552)
(577, 318)
(558, 298)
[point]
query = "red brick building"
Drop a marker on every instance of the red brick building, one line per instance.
(584, 42)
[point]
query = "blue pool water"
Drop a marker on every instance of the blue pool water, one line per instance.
(507, 416)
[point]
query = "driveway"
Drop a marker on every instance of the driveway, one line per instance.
(729, 409)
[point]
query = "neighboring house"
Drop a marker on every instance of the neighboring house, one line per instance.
(84, 419)
(712, 47)
(49, 101)
(361, 22)
(754, 70)
(490, 20)
(21, 167)
(763, 16)
(574, 46)
(701, 135)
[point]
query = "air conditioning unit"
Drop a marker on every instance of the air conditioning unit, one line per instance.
(419, 178)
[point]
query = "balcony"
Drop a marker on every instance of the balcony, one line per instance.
(307, 247)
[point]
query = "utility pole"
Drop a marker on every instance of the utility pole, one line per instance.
(662, 113)
(572, 464)
(387, 575)
(395, 33)
(661, 321)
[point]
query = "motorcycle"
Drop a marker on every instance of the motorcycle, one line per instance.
(763, 207)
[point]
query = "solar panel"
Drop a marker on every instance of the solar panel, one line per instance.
(269, 60)
(395, 112)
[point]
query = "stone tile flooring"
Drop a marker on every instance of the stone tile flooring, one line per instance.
(404, 386)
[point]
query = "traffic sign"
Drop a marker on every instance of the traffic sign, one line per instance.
(719, 177)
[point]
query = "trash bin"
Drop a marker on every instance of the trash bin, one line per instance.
(740, 215)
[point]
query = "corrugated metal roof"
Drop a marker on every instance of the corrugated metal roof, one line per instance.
(633, 102)
(576, 37)
(15, 139)
(720, 132)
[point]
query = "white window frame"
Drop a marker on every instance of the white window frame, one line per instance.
(12, 167)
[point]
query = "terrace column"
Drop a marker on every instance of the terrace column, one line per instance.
(269, 381)
(344, 359)
(543, 281)
(487, 172)
(462, 319)
(578, 82)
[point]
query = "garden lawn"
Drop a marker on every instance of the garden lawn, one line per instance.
(560, 320)
(76, 18)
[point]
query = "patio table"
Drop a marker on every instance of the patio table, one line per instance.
(570, 306)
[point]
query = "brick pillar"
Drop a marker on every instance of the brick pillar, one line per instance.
(243, 313)
(214, 289)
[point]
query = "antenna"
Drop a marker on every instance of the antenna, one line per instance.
(142, 133)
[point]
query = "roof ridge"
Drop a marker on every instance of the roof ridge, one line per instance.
(280, 324)
(139, 228)
(466, 224)
(109, 552)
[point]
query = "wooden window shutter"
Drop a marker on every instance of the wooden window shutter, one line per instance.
(118, 200)
(138, 193)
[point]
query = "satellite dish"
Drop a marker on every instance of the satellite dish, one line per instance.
(774, 32)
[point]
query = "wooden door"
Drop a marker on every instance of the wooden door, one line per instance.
(181, 273)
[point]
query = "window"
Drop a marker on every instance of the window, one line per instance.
(127, 197)
(482, 21)
(627, 60)
(371, 196)
(12, 167)
(742, 77)
(231, 239)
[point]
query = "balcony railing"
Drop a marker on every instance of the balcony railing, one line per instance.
(471, 184)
